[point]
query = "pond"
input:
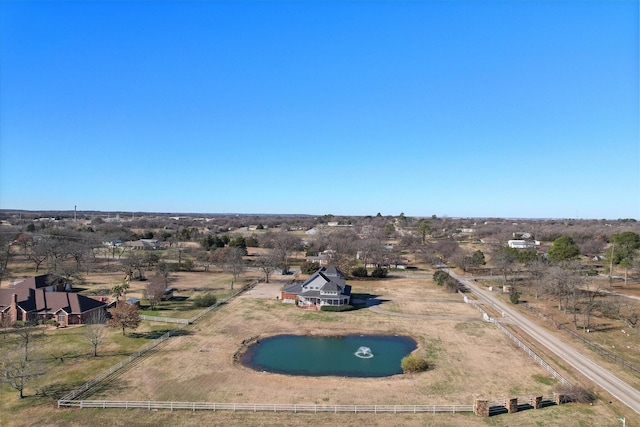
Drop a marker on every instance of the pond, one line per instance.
(345, 356)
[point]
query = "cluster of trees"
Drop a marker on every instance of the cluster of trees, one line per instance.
(564, 277)
(444, 279)
(66, 249)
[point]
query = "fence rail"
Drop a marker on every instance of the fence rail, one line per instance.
(122, 364)
(519, 343)
(164, 319)
(265, 407)
(593, 346)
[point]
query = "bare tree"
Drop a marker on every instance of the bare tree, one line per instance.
(134, 262)
(267, 263)
(592, 247)
(537, 271)
(95, 329)
(504, 258)
(154, 290)
(628, 312)
(164, 269)
(564, 283)
(231, 259)
(283, 244)
(6, 238)
(124, 315)
(462, 259)
(371, 251)
(150, 258)
(445, 249)
(343, 243)
(38, 252)
(28, 333)
(555, 280)
(5, 323)
(17, 371)
(589, 304)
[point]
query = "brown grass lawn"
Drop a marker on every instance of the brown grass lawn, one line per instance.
(469, 359)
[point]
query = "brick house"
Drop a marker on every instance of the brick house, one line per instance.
(36, 299)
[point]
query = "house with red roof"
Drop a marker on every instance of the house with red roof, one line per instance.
(38, 298)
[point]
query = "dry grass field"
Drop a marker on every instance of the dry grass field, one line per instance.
(469, 359)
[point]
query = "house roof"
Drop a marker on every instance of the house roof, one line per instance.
(32, 297)
(51, 302)
(22, 289)
(325, 280)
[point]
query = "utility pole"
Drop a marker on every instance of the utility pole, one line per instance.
(613, 245)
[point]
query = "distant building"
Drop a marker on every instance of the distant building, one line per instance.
(523, 244)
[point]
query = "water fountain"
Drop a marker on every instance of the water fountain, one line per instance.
(339, 355)
(364, 353)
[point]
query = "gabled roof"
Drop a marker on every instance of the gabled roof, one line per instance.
(33, 297)
(50, 302)
(332, 271)
(325, 280)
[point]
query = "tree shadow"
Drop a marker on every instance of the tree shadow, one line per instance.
(152, 335)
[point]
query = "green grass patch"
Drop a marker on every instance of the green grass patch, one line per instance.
(319, 316)
(474, 329)
(433, 349)
(543, 379)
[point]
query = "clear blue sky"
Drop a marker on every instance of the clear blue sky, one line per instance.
(458, 108)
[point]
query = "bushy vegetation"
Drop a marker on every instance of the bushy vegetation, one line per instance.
(337, 308)
(379, 273)
(360, 272)
(204, 300)
(442, 278)
(413, 363)
(309, 267)
(575, 393)
(514, 296)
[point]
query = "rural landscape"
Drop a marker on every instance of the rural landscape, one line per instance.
(309, 213)
(169, 303)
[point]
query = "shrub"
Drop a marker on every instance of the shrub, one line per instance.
(337, 308)
(360, 272)
(574, 393)
(379, 272)
(309, 267)
(204, 300)
(440, 276)
(514, 296)
(413, 363)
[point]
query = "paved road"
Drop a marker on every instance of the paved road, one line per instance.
(603, 378)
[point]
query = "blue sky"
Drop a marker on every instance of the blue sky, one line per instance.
(458, 108)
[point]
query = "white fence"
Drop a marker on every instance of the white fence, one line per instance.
(164, 319)
(265, 407)
(111, 371)
(519, 343)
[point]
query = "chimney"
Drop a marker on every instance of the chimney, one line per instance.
(13, 310)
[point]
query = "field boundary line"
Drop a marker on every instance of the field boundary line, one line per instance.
(72, 395)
